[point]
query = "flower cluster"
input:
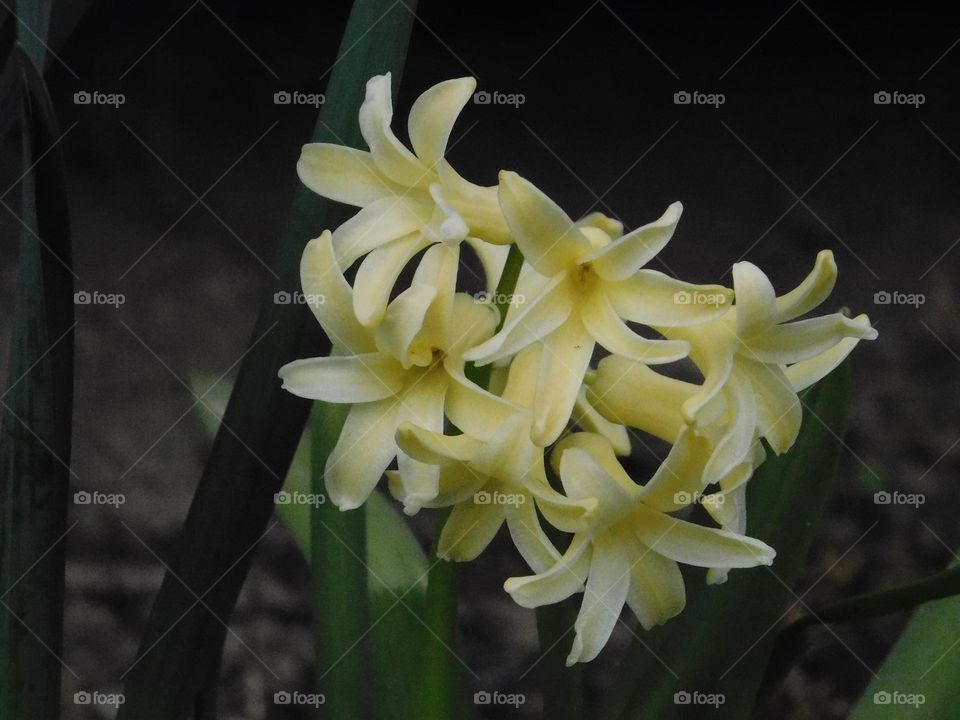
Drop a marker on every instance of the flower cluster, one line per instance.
(541, 441)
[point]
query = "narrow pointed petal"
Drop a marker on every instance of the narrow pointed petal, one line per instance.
(468, 531)
(756, 298)
(402, 324)
(657, 592)
(618, 381)
(434, 447)
(591, 421)
(537, 318)
(492, 259)
(693, 544)
(529, 538)
(592, 470)
(433, 114)
(804, 339)
(815, 288)
(362, 454)
(737, 442)
(652, 298)
(390, 155)
(716, 364)
(378, 274)
(606, 327)
(330, 296)
(474, 410)
(344, 378)
(478, 205)
(548, 238)
(421, 405)
(344, 174)
(603, 599)
(376, 225)
(563, 364)
(779, 412)
(805, 373)
(623, 257)
(679, 479)
(556, 584)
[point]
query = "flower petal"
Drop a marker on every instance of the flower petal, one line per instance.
(736, 444)
(468, 530)
(421, 405)
(529, 538)
(379, 223)
(594, 470)
(492, 259)
(622, 258)
(536, 319)
(603, 599)
(433, 114)
(655, 299)
(390, 155)
(343, 174)
(806, 372)
(378, 274)
(678, 481)
(779, 412)
(402, 324)
(804, 339)
(548, 238)
(815, 288)
(332, 297)
(693, 544)
(474, 410)
(558, 583)
(606, 327)
(434, 447)
(344, 378)
(657, 592)
(625, 391)
(591, 421)
(362, 453)
(563, 363)
(756, 298)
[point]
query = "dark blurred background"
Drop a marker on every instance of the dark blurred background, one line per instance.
(798, 157)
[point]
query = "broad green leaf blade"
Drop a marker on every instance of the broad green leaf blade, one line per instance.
(921, 676)
(234, 499)
(393, 553)
(36, 423)
(721, 642)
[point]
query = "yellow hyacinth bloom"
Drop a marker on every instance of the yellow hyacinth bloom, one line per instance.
(627, 550)
(495, 477)
(408, 199)
(408, 369)
(590, 281)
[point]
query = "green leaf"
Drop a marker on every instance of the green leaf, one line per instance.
(921, 676)
(36, 422)
(233, 503)
(394, 557)
(721, 642)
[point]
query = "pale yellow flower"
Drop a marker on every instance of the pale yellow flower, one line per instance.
(408, 199)
(409, 369)
(495, 477)
(590, 281)
(627, 549)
